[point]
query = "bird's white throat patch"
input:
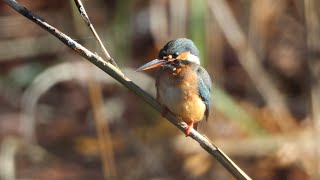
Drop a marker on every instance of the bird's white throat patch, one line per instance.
(187, 56)
(194, 59)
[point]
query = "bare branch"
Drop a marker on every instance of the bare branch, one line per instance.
(114, 72)
(86, 19)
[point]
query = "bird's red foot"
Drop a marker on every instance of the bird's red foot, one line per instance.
(188, 129)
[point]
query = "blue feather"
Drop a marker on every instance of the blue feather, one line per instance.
(204, 86)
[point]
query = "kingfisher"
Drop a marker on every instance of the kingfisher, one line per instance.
(183, 86)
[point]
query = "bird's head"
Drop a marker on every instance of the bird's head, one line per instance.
(175, 54)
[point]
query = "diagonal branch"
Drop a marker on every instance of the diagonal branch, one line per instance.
(114, 72)
(86, 19)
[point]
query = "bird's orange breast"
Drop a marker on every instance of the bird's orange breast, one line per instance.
(178, 91)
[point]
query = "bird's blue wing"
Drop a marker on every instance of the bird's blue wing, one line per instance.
(204, 86)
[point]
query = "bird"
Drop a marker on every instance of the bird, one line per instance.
(183, 85)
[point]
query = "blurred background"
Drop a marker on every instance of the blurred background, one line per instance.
(63, 118)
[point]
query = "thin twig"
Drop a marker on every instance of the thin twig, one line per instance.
(86, 19)
(118, 75)
(96, 98)
(249, 61)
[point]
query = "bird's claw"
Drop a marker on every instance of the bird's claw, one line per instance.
(188, 129)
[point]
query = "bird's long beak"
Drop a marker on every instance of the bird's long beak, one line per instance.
(152, 64)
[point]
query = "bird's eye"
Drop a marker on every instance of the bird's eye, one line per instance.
(175, 55)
